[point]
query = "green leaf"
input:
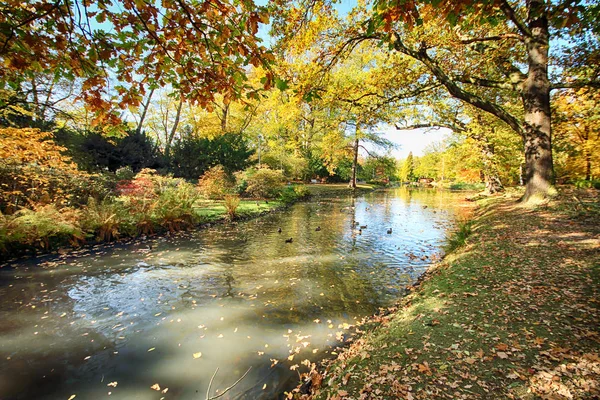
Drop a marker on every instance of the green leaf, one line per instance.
(281, 84)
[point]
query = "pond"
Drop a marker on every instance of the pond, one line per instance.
(126, 320)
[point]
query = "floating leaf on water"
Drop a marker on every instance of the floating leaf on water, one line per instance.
(151, 349)
(197, 355)
(113, 384)
(156, 387)
(72, 396)
(264, 386)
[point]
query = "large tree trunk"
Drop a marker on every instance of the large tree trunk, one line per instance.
(537, 135)
(354, 164)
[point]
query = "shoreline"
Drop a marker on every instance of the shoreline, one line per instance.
(457, 333)
(94, 245)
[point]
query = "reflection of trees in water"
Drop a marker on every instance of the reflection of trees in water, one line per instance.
(229, 285)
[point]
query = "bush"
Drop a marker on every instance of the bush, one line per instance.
(42, 226)
(231, 204)
(264, 182)
(583, 184)
(124, 173)
(105, 219)
(215, 184)
(290, 194)
(175, 206)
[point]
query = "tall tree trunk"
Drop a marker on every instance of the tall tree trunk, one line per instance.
(588, 165)
(173, 128)
(224, 116)
(145, 106)
(354, 164)
(537, 135)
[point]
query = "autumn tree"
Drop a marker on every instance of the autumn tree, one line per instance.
(487, 53)
(119, 49)
(577, 133)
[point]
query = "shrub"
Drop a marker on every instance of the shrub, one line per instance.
(105, 219)
(302, 191)
(42, 226)
(231, 204)
(215, 183)
(34, 170)
(175, 206)
(124, 173)
(264, 182)
(290, 194)
(583, 184)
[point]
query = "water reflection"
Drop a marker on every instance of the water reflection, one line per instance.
(239, 295)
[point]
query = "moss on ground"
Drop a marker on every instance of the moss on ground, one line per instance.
(513, 313)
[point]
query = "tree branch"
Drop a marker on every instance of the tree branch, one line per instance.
(456, 90)
(227, 389)
(493, 38)
(575, 85)
(512, 16)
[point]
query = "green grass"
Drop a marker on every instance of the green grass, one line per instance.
(337, 189)
(214, 210)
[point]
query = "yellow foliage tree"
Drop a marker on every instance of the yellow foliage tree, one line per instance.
(33, 169)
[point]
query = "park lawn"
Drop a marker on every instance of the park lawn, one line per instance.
(512, 313)
(328, 189)
(214, 210)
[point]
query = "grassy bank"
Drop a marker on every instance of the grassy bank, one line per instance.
(513, 312)
(338, 189)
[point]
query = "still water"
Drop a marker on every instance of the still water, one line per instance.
(157, 318)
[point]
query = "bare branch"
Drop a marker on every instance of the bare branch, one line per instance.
(227, 389)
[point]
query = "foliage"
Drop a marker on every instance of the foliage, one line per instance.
(408, 169)
(134, 150)
(175, 206)
(263, 182)
(292, 193)
(231, 204)
(40, 227)
(33, 169)
(379, 169)
(191, 157)
(577, 135)
(202, 48)
(104, 219)
(215, 183)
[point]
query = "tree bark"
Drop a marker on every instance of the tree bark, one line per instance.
(535, 128)
(537, 135)
(173, 128)
(145, 106)
(354, 164)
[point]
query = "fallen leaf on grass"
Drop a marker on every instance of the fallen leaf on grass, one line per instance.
(502, 354)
